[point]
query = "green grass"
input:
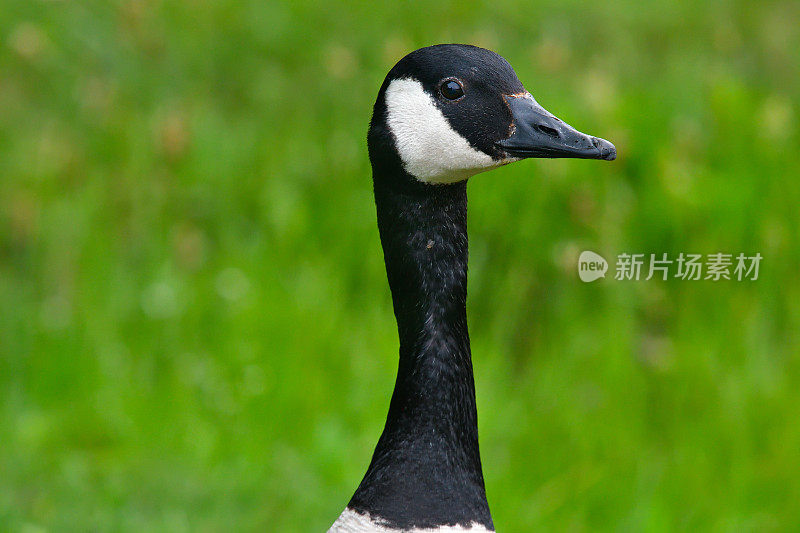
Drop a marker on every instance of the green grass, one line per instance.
(196, 332)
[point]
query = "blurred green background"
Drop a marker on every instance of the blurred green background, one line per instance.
(195, 328)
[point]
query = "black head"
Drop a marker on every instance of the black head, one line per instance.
(449, 111)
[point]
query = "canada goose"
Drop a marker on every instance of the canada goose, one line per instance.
(443, 114)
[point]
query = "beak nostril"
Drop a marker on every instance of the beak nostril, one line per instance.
(547, 130)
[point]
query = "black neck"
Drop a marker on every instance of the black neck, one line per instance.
(426, 469)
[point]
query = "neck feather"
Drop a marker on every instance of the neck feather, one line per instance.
(426, 468)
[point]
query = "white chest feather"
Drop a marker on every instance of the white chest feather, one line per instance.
(431, 150)
(352, 522)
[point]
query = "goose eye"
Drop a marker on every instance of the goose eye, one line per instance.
(451, 89)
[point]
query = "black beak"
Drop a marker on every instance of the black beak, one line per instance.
(538, 133)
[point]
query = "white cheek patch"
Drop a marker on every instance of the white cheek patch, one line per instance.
(431, 150)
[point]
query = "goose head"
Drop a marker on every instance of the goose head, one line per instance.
(449, 111)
